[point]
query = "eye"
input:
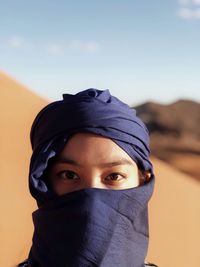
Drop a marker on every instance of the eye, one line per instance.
(113, 177)
(67, 175)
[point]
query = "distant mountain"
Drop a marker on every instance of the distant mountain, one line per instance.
(177, 119)
(175, 133)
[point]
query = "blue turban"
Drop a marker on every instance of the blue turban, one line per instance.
(72, 230)
(93, 111)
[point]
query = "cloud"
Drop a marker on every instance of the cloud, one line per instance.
(185, 13)
(57, 49)
(189, 13)
(184, 2)
(89, 47)
(196, 2)
(196, 13)
(54, 49)
(189, 2)
(17, 42)
(188, 9)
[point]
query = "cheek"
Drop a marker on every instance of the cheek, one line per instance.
(134, 180)
(53, 183)
(60, 188)
(133, 177)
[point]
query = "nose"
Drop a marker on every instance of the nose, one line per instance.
(92, 181)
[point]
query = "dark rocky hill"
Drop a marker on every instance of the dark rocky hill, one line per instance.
(175, 133)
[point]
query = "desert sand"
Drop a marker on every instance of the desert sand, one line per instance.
(174, 212)
(174, 209)
(18, 108)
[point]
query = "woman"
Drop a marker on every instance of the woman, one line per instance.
(92, 179)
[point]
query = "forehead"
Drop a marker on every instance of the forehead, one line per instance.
(92, 148)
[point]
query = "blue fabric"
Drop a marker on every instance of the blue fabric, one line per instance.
(89, 227)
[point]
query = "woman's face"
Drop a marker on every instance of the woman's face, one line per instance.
(89, 160)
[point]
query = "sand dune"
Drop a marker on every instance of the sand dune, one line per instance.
(18, 108)
(174, 218)
(174, 208)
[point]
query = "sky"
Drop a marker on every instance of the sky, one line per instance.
(140, 50)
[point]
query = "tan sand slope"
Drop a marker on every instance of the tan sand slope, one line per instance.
(17, 110)
(174, 218)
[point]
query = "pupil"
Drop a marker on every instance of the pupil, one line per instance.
(70, 175)
(114, 176)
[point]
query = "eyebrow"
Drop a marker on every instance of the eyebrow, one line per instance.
(121, 161)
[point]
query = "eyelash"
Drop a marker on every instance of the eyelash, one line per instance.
(71, 173)
(116, 174)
